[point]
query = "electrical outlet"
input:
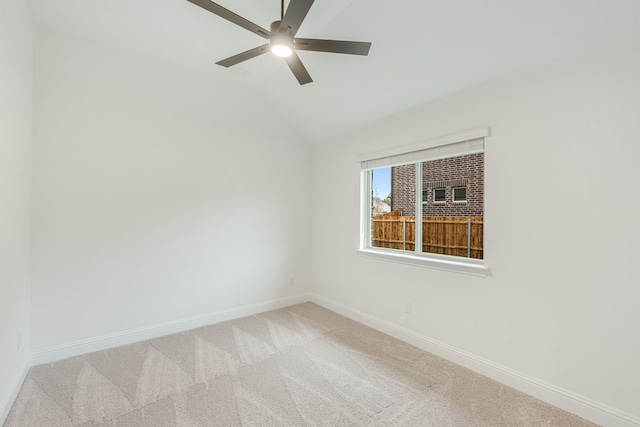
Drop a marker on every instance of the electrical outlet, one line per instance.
(19, 340)
(407, 307)
(292, 282)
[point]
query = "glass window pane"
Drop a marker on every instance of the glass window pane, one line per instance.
(454, 228)
(393, 200)
(380, 191)
(460, 194)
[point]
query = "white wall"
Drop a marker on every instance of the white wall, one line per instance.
(159, 195)
(562, 230)
(16, 121)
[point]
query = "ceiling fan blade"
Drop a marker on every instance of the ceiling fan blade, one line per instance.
(232, 17)
(334, 46)
(294, 16)
(298, 69)
(251, 53)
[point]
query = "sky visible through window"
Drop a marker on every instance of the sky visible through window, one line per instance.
(381, 182)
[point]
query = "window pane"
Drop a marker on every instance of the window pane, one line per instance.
(393, 207)
(460, 194)
(454, 228)
(380, 191)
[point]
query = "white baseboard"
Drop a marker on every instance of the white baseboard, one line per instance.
(64, 351)
(556, 396)
(7, 400)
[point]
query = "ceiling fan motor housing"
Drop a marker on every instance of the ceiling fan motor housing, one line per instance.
(278, 37)
(281, 42)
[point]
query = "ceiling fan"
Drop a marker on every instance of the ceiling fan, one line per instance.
(281, 37)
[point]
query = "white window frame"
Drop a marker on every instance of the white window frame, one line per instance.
(453, 195)
(441, 147)
(439, 202)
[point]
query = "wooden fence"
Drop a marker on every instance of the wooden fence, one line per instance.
(440, 235)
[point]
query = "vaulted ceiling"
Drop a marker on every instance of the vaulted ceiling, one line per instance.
(422, 49)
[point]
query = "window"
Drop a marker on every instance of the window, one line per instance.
(414, 229)
(459, 194)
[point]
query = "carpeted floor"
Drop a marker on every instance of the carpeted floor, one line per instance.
(299, 366)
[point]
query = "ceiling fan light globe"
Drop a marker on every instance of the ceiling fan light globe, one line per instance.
(281, 50)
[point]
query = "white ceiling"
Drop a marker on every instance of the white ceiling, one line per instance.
(422, 49)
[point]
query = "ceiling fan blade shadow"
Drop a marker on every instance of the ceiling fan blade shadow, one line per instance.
(298, 69)
(294, 16)
(334, 46)
(251, 53)
(231, 17)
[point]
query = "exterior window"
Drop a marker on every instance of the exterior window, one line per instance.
(460, 194)
(439, 195)
(398, 217)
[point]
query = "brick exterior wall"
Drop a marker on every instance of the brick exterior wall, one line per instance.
(462, 171)
(403, 189)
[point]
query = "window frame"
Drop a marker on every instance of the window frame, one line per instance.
(433, 192)
(453, 195)
(471, 266)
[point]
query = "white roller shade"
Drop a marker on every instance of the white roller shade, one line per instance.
(468, 144)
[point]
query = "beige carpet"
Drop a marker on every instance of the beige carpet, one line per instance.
(299, 366)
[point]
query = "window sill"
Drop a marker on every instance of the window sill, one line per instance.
(459, 265)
